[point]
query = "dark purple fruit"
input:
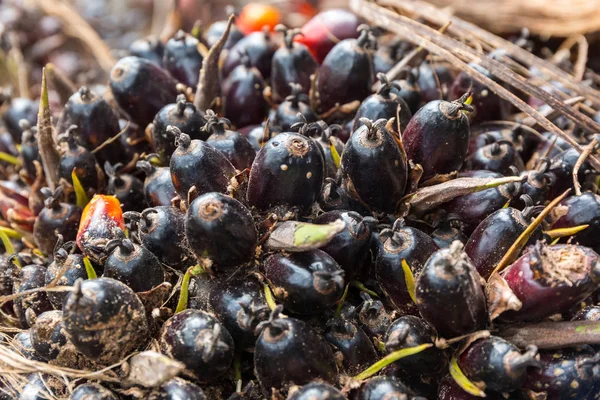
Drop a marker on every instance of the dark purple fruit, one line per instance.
(290, 351)
(220, 229)
(496, 234)
(198, 340)
(30, 277)
(373, 317)
(240, 305)
(55, 219)
(92, 391)
(232, 144)
(402, 243)
(67, 268)
(437, 137)
(40, 387)
(497, 364)
(409, 91)
(125, 187)
(450, 390)
(177, 389)
(383, 387)
(258, 47)
(435, 80)
(182, 58)
(350, 247)
(581, 210)
(22, 343)
(355, 347)
(182, 114)
(372, 160)
(589, 313)
(197, 164)
(47, 336)
(151, 48)
(29, 151)
(562, 167)
(104, 319)
(305, 283)
(486, 103)
(19, 108)
(326, 136)
(141, 88)
(449, 229)
(500, 156)
(292, 63)
(551, 279)
(161, 230)
(133, 265)
(78, 159)
(410, 331)
(316, 391)
(287, 170)
(384, 104)
(243, 93)
(346, 73)
(571, 373)
(449, 293)
(215, 31)
(158, 185)
(537, 186)
(97, 122)
(293, 110)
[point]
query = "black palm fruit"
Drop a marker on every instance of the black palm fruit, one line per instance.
(243, 93)
(232, 144)
(183, 59)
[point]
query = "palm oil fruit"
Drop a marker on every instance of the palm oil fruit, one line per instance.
(307, 282)
(352, 343)
(47, 336)
(449, 295)
(220, 229)
(158, 185)
(19, 108)
(437, 136)
(500, 156)
(183, 59)
(292, 63)
(232, 144)
(383, 387)
(65, 269)
(198, 340)
(150, 47)
(79, 160)
(372, 160)
(581, 210)
(176, 389)
(346, 74)
(287, 170)
(289, 351)
(316, 390)
(294, 109)
(92, 390)
(105, 320)
(258, 47)
(30, 277)
(486, 104)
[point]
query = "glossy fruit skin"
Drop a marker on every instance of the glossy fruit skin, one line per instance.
(243, 92)
(182, 114)
(255, 16)
(349, 248)
(346, 74)
(162, 232)
(562, 167)
(352, 343)
(318, 33)
(19, 108)
(92, 391)
(372, 160)
(104, 319)
(197, 163)
(494, 236)
(448, 231)
(46, 334)
(199, 341)
(177, 389)
(582, 210)
(133, 265)
(221, 229)
(383, 104)
(258, 47)
(382, 387)
(372, 317)
(54, 219)
(42, 386)
(96, 120)
(410, 91)
(158, 185)
(127, 188)
(141, 88)
(240, 305)
(150, 48)
(22, 343)
(287, 112)
(437, 137)
(429, 76)
(101, 221)
(537, 187)
(565, 374)
(182, 58)
(232, 144)
(306, 283)
(79, 159)
(410, 331)
(401, 243)
(473, 208)
(497, 157)
(535, 278)
(29, 151)
(317, 390)
(449, 390)
(291, 63)
(497, 362)
(289, 350)
(30, 277)
(74, 269)
(287, 170)
(216, 29)
(485, 102)
(449, 293)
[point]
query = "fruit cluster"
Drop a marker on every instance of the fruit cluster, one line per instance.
(276, 214)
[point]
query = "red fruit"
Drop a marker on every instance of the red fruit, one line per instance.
(255, 16)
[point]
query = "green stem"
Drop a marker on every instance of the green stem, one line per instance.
(269, 297)
(81, 197)
(185, 284)
(89, 269)
(9, 158)
(363, 288)
(461, 380)
(390, 358)
(11, 233)
(338, 310)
